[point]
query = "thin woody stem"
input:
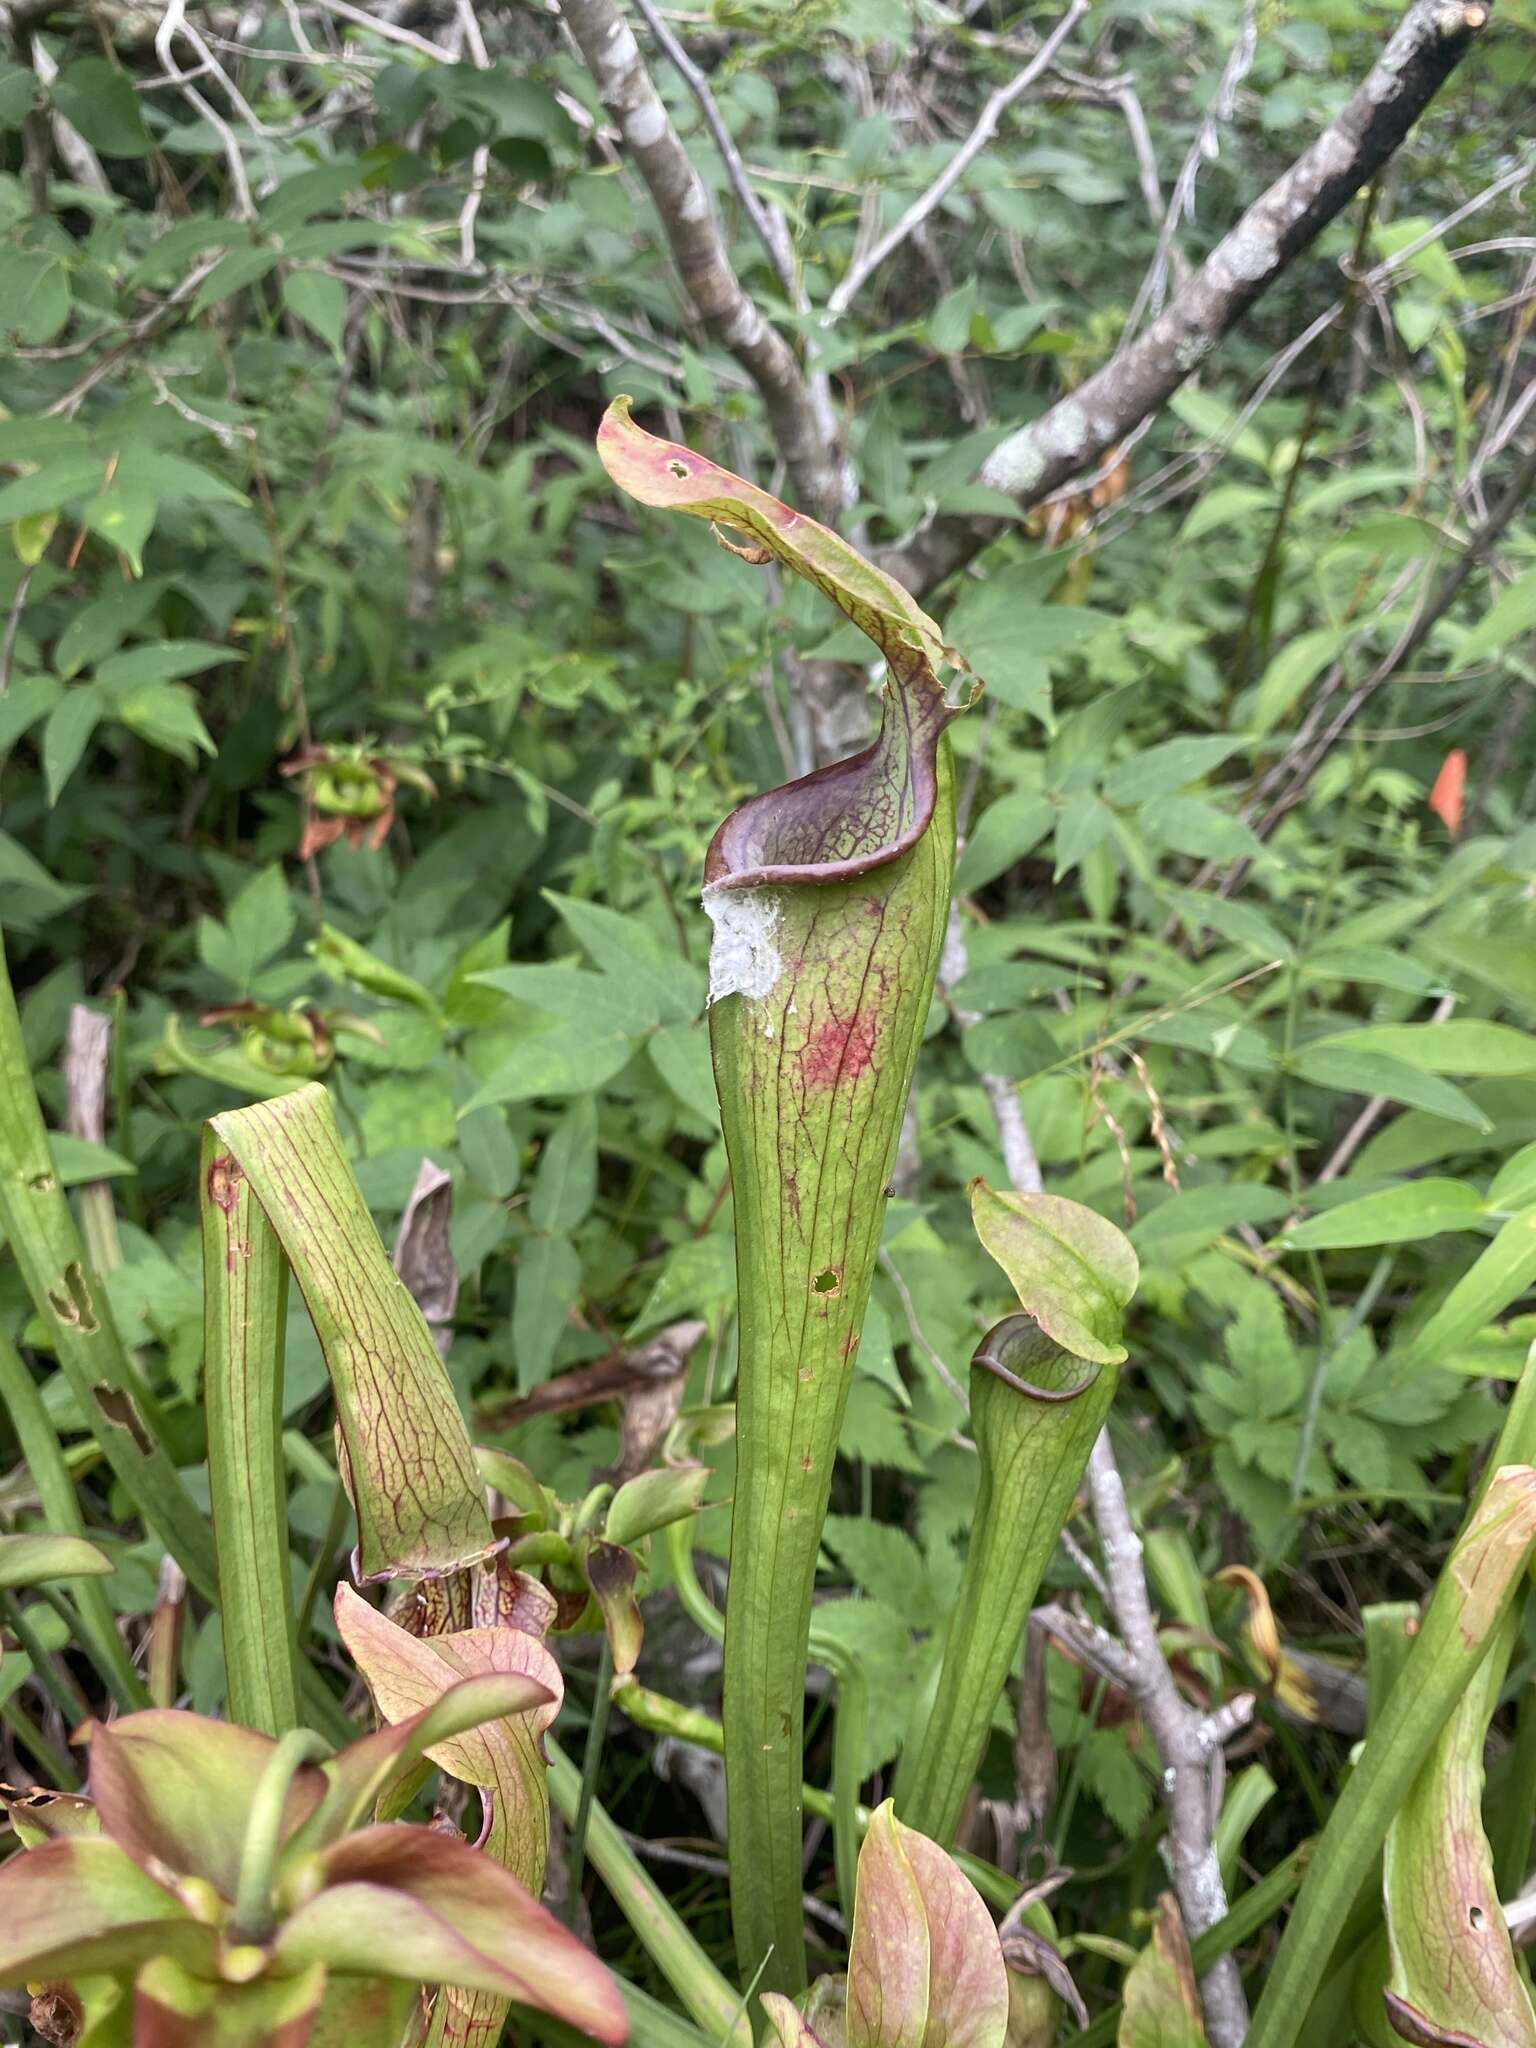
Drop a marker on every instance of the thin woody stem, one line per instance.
(1182, 1743)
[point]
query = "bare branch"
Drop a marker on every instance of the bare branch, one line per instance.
(1183, 1743)
(768, 224)
(1289, 780)
(1093, 1645)
(379, 25)
(1205, 149)
(480, 162)
(611, 54)
(173, 22)
(1003, 1096)
(866, 265)
(1426, 47)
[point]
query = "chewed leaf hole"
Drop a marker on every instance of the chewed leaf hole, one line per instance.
(1478, 1918)
(678, 468)
(71, 1300)
(119, 1409)
(829, 1282)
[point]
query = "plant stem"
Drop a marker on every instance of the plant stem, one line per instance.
(320, 1564)
(591, 1762)
(61, 1689)
(708, 1998)
(258, 1855)
(62, 1775)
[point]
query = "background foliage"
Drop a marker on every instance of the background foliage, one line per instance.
(353, 727)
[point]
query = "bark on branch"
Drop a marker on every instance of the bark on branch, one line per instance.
(1426, 47)
(611, 54)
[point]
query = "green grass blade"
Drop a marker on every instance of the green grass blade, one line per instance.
(71, 1301)
(50, 1474)
(714, 2004)
(245, 1307)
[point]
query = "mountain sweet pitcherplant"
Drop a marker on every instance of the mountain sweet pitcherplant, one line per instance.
(221, 1888)
(829, 899)
(1041, 1385)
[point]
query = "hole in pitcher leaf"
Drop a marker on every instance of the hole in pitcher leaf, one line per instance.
(119, 1409)
(829, 1282)
(71, 1300)
(678, 468)
(1478, 1918)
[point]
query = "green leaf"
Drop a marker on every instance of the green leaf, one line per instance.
(1512, 613)
(1505, 964)
(1215, 421)
(36, 297)
(98, 98)
(1421, 1208)
(1498, 1276)
(697, 1277)
(566, 1180)
(320, 302)
(1226, 508)
(556, 1060)
(548, 1288)
(598, 1006)
(1293, 670)
(1006, 831)
(166, 715)
(28, 700)
(625, 950)
(1186, 824)
(32, 1560)
(680, 1054)
(1331, 1063)
(925, 1967)
(56, 484)
(158, 472)
(70, 725)
(161, 661)
(1084, 822)
(1072, 1270)
(18, 93)
(1514, 1185)
(1185, 1223)
(1015, 1046)
(1162, 1999)
(124, 518)
(654, 1500)
(78, 1160)
(81, 1905)
(1461, 1046)
(233, 273)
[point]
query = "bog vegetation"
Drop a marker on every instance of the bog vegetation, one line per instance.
(767, 1024)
